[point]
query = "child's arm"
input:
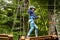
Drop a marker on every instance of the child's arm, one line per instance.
(36, 17)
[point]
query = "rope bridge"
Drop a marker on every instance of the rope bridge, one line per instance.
(47, 37)
(10, 37)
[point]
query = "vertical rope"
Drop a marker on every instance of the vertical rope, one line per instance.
(54, 9)
(28, 15)
(20, 20)
(54, 16)
(13, 22)
(23, 18)
(15, 18)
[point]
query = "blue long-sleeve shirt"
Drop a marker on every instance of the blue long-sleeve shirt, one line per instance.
(31, 13)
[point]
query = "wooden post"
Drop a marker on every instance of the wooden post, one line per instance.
(22, 38)
(10, 37)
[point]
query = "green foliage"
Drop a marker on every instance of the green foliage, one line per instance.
(8, 15)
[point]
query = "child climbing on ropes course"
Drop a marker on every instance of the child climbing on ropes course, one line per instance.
(32, 17)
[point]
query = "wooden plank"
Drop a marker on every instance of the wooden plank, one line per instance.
(3, 35)
(48, 37)
(10, 37)
(3, 39)
(6, 37)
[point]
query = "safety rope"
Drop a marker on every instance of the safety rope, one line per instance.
(21, 14)
(14, 21)
(23, 19)
(20, 21)
(28, 17)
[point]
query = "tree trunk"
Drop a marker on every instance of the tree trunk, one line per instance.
(51, 17)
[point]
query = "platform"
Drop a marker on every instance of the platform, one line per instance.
(6, 37)
(47, 37)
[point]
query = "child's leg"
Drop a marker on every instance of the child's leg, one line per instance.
(31, 28)
(36, 30)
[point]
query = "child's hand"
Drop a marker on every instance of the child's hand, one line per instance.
(39, 16)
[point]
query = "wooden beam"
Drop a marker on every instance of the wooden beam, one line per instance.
(6, 37)
(47, 37)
